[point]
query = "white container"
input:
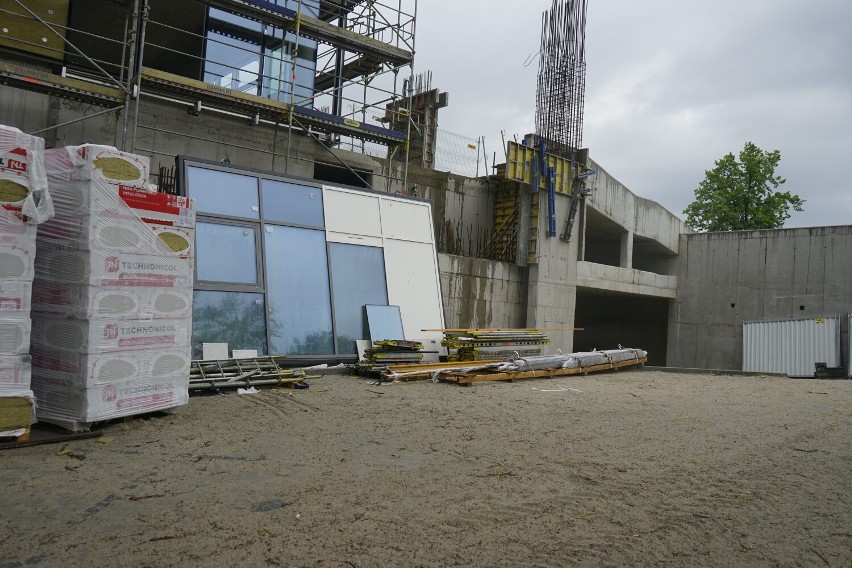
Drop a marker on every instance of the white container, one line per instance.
(791, 346)
(15, 373)
(99, 335)
(76, 408)
(66, 368)
(15, 298)
(15, 335)
(118, 270)
(87, 302)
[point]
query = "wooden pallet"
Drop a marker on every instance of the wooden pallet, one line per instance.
(467, 379)
(424, 370)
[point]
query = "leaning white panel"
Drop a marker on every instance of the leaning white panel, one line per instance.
(413, 285)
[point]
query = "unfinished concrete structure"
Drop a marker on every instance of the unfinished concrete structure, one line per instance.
(627, 271)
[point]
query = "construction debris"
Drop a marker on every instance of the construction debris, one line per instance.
(539, 367)
(245, 373)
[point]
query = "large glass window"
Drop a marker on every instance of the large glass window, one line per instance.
(235, 318)
(223, 193)
(226, 253)
(358, 273)
(297, 287)
(258, 59)
(292, 203)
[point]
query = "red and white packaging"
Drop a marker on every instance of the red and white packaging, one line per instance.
(15, 297)
(86, 302)
(15, 335)
(91, 161)
(100, 335)
(22, 176)
(120, 269)
(15, 373)
(97, 197)
(76, 408)
(64, 368)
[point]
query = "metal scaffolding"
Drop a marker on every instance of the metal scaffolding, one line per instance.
(322, 68)
(562, 78)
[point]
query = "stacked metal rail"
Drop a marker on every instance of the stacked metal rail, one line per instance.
(480, 344)
(236, 373)
(389, 352)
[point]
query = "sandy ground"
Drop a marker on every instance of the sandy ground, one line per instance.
(630, 468)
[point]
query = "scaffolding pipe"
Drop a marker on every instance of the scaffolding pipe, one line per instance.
(134, 30)
(410, 108)
(139, 71)
(82, 118)
(292, 89)
(74, 47)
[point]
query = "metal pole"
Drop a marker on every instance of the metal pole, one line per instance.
(292, 86)
(71, 45)
(139, 72)
(80, 119)
(129, 63)
(410, 106)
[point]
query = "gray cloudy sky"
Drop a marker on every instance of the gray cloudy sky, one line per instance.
(671, 86)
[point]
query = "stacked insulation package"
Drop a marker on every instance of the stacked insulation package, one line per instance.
(24, 202)
(112, 299)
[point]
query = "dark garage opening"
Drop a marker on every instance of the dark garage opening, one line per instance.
(610, 319)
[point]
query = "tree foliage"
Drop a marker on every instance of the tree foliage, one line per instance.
(740, 195)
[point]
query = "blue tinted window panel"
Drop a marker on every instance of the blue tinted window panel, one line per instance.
(292, 203)
(223, 193)
(298, 291)
(225, 253)
(358, 275)
(235, 318)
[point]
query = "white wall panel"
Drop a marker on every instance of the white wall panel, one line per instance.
(414, 286)
(352, 212)
(406, 220)
(364, 240)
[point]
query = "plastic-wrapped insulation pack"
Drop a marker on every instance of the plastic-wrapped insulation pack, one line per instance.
(24, 203)
(112, 297)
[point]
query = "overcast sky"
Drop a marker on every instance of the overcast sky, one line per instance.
(671, 87)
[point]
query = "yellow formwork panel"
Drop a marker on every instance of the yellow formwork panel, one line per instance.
(519, 167)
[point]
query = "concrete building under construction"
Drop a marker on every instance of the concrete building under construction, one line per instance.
(320, 93)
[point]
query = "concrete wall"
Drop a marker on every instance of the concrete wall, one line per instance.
(481, 293)
(553, 279)
(726, 278)
(637, 215)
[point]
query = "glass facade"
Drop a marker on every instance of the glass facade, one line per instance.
(359, 279)
(259, 59)
(266, 277)
(299, 297)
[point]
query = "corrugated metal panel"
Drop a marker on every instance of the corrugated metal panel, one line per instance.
(791, 346)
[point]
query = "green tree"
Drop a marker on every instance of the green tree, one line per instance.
(740, 195)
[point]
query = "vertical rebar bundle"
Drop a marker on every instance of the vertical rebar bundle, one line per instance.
(562, 77)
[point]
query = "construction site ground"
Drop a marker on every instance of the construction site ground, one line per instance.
(636, 467)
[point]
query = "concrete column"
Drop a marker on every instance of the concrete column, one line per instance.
(626, 260)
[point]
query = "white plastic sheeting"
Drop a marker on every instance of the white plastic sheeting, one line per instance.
(791, 346)
(112, 296)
